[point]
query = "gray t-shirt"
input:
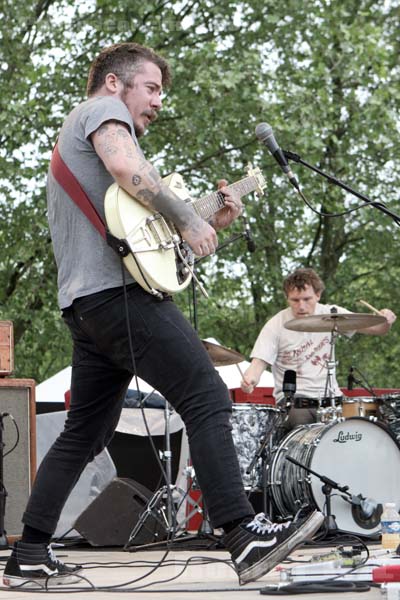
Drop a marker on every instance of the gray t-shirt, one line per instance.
(86, 264)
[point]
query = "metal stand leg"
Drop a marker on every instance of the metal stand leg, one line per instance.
(161, 505)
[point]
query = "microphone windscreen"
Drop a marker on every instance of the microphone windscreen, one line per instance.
(289, 376)
(263, 130)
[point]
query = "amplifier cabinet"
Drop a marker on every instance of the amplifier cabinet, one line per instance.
(17, 398)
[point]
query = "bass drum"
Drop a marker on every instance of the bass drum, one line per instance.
(359, 453)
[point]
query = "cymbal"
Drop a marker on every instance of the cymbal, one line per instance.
(222, 356)
(340, 322)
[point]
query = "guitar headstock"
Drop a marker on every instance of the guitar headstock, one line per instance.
(259, 177)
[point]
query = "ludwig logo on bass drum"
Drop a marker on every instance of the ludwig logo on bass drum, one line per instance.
(342, 437)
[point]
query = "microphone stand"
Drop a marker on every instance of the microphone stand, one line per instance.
(328, 486)
(363, 383)
(265, 457)
(379, 205)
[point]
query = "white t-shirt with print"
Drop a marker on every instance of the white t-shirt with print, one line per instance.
(303, 352)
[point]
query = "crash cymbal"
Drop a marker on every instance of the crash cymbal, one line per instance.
(340, 322)
(222, 356)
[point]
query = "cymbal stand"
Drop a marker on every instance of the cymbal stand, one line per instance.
(331, 411)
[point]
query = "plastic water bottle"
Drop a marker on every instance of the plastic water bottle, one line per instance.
(390, 526)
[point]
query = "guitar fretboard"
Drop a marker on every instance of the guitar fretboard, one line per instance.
(212, 203)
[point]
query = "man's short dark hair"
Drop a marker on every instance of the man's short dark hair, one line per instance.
(124, 60)
(302, 277)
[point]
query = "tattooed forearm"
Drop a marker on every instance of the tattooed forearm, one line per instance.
(140, 178)
(146, 197)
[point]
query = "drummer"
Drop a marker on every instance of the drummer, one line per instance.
(306, 353)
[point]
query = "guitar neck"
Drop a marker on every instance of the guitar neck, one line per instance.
(212, 203)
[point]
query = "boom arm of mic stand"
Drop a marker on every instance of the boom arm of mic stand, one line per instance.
(258, 454)
(379, 205)
(364, 383)
(330, 482)
(220, 247)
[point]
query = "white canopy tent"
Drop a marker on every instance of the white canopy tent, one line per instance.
(54, 388)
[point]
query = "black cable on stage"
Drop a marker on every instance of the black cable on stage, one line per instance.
(45, 587)
(314, 587)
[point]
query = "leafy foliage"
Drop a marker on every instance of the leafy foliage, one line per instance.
(324, 74)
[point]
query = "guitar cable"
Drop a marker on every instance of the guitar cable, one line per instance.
(135, 376)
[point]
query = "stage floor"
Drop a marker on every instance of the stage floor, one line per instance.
(201, 574)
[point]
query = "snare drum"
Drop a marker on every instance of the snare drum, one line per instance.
(251, 424)
(357, 452)
(359, 407)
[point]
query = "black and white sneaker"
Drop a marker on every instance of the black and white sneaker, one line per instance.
(259, 545)
(32, 564)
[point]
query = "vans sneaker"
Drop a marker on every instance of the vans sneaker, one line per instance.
(30, 564)
(259, 545)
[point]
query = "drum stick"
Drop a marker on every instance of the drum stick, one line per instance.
(374, 310)
(240, 370)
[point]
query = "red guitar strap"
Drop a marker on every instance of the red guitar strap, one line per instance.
(67, 180)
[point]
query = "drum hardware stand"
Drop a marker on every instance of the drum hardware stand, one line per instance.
(332, 410)
(328, 486)
(161, 504)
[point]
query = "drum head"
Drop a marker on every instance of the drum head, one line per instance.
(362, 455)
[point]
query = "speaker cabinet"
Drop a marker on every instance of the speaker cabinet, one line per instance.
(110, 518)
(17, 399)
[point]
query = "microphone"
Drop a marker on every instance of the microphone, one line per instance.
(365, 511)
(266, 136)
(350, 379)
(251, 245)
(289, 384)
(368, 506)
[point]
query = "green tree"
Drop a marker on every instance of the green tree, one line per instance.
(324, 74)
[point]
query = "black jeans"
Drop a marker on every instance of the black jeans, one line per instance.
(172, 359)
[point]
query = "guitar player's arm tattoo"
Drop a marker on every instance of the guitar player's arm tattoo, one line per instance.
(115, 146)
(154, 194)
(113, 137)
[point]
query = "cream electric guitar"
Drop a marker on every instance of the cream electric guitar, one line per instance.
(159, 259)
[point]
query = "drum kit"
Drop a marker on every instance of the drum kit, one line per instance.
(347, 465)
